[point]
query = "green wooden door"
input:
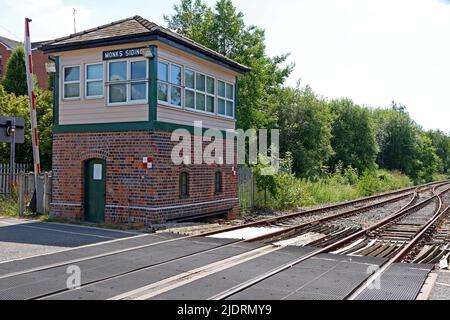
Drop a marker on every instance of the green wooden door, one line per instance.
(94, 190)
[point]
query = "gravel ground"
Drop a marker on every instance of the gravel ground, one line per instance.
(442, 188)
(386, 209)
(370, 217)
(446, 198)
(422, 215)
(266, 215)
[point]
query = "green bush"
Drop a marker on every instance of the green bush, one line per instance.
(284, 190)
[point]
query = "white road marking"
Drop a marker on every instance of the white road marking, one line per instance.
(59, 264)
(246, 233)
(24, 225)
(73, 248)
(184, 278)
(443, 284)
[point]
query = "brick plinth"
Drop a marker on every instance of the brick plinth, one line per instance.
(135, 194)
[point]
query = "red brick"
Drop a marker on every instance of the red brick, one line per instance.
(128, 185)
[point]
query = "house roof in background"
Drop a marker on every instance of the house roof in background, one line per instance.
(129, 29)
(9, 43)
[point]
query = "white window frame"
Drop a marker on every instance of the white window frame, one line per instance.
(226, 99)
(128, 82)
(206, 93)
(71, 82)
(86, 80)
(170, 85)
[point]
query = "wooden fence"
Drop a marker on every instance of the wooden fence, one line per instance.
(5, 183)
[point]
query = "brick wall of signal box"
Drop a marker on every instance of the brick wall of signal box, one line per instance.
(135, 194)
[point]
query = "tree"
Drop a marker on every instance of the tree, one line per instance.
(354, 141)
(427, 162)
(223, 29)
(305, 123)
(441, 143)
(18, 106)
(15, 80)
(396, 136)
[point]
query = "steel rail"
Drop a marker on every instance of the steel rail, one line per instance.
(247, 284)
(269, 221)
(401, 253)
(340, 215)
(165, 262)
(78, 260)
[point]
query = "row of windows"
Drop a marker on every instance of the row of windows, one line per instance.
(194, 90)
(184, 184)
(128, 83)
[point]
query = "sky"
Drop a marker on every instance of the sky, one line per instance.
(370, 51)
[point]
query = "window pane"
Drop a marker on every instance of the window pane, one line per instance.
(175, 75)
(218, 182)
(221, 89)
(189, 99)
(117, 93)
(72, 74)
(138, 70)
(94, 72)
(138, 91)
(184, 184)
(94, 88)
(230, 91)
(117, 71)
(221, 106)
(200, 101)
(230, 106)
(209, 104)
(162, 71)
(162, 91)
(175, 96)
(200, 82)
(210, 85)
(72, 90)
(189, 79)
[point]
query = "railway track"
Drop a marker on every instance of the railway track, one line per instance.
(279, 227)
(336, 245)
(436, 247)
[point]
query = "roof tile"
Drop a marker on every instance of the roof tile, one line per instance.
(134, 26)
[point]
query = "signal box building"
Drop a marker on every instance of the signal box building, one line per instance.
(120, 91)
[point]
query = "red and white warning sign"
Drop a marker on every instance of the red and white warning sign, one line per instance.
(147, 163)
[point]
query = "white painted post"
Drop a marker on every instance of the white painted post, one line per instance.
(32, 97)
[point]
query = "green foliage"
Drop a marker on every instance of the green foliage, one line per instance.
(15, 80)
(305, 123)
(8, 207)
(404, 146)
(51, 79)
(441, 143)
(223, 29)
(372, 182)
(353, 133)
(342, 185)
(18, 106)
